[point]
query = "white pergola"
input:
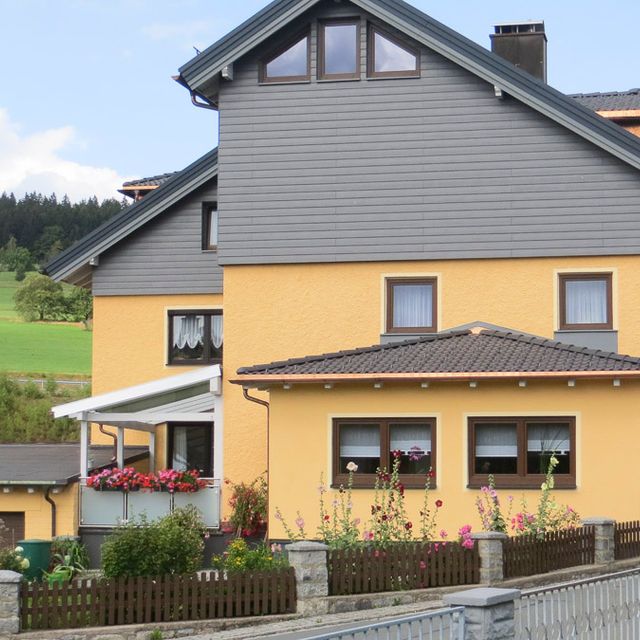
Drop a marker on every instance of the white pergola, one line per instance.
(195, 396)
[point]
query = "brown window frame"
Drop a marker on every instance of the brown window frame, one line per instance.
(206, 358)
(322, 25)
(367, 480)
(521, 480)
(562, 287)
(207, 209)
(390, 283)
(265, 79)
(203, 425)
(371, 57)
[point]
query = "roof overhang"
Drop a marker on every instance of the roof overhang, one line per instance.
(188, 397)
(202, 74)
(267, 380)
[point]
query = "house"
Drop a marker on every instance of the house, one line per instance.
(380, 180)
(621, 107)
(138, 189)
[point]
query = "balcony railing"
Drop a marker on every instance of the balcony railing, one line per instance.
(111, 508)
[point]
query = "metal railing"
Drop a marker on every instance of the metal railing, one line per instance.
(110, 508)
(444, 624)
(603, 608)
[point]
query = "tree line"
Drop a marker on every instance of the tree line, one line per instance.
(43, 225)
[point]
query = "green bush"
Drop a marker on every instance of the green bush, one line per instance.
(173, 544)
(73, 553)
(240, 558)
(12, 560)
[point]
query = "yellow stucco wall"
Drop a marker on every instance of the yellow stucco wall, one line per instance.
(37, 511)
(606, 420)
(130, 337)
(280, 311)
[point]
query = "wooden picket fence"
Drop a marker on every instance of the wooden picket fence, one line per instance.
(102, 602)
(530, 555)
(627, 540)
(402, 566)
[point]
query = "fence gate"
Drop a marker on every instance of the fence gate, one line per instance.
(603, 608)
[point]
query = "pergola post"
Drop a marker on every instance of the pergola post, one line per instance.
(152, 451)
(120, 448)
(84, 449)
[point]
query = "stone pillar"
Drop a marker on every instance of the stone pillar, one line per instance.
(605, 540)
(489, 614)
(9, 603)
(490, 550)
(309, 560)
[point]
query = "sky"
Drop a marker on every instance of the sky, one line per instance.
(87, 100)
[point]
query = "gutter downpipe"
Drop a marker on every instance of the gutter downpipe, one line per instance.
(49, 499)
(264, 403)
(114, 458)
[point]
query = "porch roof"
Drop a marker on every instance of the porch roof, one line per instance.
(187, 397)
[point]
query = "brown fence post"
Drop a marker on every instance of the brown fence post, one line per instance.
(491, 555)
(9, 602)
(309, 560)
(605, 538)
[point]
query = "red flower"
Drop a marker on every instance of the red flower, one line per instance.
(327, 518)
(396, 453)
(408, 526)
(431, 474)
(438, 503)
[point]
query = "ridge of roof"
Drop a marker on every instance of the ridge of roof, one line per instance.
(511, 336)
(461, 50)
(180, 185)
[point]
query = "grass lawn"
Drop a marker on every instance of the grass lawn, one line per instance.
(38, 348)
(44, 348)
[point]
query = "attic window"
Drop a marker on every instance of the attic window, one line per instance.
(339, 56)
(389, 57)
(289, 63)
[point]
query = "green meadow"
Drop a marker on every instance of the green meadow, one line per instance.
(39, 348)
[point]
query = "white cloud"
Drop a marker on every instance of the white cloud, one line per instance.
(33, 163)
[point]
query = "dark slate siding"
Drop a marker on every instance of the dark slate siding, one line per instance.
(163, 257)
(410, 169)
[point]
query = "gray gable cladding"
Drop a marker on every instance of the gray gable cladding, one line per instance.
(203, 70)
(410, 169)
(165, 256)
(72, 264)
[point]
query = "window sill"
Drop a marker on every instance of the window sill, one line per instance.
(522, 486)
(325, 80)
(194, 363)
(280, 82)
(407, 77)
(413, 486)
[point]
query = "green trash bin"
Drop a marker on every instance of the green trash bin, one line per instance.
(38, 553)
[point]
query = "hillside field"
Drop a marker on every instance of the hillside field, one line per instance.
(39, 347)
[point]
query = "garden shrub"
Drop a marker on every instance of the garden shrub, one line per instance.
(240, 558)
(13, 560)
(249, 507)
(173, 544)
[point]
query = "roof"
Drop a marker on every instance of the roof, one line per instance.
(69, 264)
(203, 71)
(54, 464)
(452, 355)
(150, 403)
(153, 181)
(610, 100)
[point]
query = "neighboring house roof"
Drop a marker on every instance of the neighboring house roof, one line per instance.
(477, 352)
(610, 100)
(202, 72)
(54, 464)
(145, 184)
(73, 263)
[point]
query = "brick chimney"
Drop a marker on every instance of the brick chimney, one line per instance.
(524, 44)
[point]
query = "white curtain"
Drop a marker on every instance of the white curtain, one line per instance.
(412, 305)
(179, 462)
(188, 331)
(216, 331)
(360, 441)
(405, 436)
(549, 438)
(586, 301)
(496, 441)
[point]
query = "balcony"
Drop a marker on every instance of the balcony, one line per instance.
(111, 508)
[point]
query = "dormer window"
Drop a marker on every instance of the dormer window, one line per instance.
(289, 63)
(339, 52)
(389, 57)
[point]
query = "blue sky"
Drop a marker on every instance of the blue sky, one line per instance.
(88, 100)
